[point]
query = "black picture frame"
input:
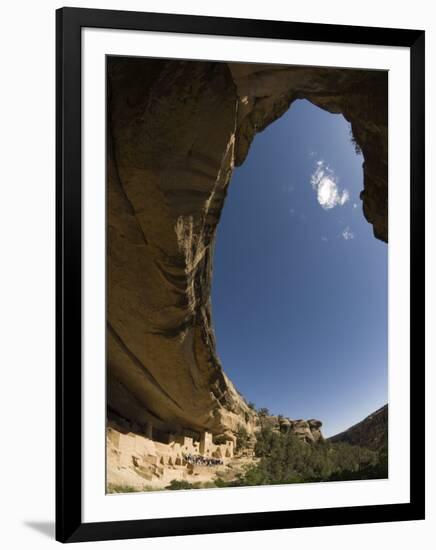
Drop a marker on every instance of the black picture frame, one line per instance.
(69, 525)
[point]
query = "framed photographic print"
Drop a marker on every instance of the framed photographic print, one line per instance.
(240, 274)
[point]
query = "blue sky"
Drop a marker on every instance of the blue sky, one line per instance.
(299, 292)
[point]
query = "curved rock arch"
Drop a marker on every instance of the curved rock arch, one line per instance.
(176, 129)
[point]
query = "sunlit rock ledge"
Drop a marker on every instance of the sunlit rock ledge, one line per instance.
(175, 132)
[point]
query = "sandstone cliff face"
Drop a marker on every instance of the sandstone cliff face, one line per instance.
(175, 132)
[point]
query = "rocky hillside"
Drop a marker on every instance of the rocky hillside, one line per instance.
(306, 430)
(371, 433)
(176, 130)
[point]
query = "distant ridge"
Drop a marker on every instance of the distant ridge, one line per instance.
(372, 432)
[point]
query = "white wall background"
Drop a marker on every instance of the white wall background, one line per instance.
(27, 323)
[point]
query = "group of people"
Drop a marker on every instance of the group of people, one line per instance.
(202, 460)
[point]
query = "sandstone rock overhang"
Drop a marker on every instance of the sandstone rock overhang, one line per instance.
(175, 131)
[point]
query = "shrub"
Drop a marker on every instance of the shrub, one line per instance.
(122, 489)
(356, 146)
(242, 438)
(176, 484)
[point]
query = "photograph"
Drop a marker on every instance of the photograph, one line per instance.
(216, 287)
(246, 274)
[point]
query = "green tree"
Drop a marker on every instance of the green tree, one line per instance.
(287, 459)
